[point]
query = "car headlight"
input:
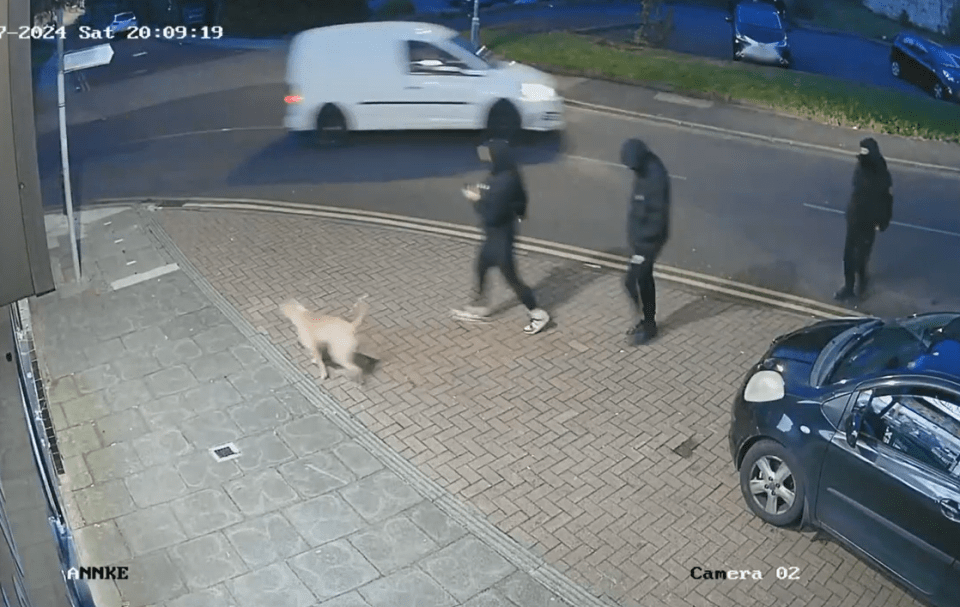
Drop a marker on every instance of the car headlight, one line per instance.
(537, 92)
(764, 387)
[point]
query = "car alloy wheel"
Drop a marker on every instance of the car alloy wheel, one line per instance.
(771, 485)
(895, 68)
(938, 91)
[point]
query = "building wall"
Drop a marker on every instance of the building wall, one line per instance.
(933, 15)
(31, 553)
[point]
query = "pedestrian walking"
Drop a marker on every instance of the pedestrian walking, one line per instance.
(501, 203)
(869, 211)
(648, 226)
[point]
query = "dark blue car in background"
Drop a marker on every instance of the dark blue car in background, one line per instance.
(926, 64)
(853, 426)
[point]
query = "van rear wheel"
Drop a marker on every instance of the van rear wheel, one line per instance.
(503, 121)
(331, 127)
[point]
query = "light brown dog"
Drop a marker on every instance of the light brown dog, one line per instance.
(336, 335)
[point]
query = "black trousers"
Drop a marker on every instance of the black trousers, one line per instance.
(856, 254)
(497, 252)
(641, 289)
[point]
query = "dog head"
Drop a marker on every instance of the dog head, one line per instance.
(292, 309)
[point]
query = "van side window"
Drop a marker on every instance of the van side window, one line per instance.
(423, 51)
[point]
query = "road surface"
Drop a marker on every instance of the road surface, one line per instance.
(763, 214)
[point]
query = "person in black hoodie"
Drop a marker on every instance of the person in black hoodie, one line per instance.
(501, 202)
(870, 209)
(648, 226)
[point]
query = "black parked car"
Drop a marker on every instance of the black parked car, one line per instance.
(926, 64)
(853, 426)
(759, 34)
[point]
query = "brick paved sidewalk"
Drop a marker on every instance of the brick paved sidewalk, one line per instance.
(609, 463)
(145, 379)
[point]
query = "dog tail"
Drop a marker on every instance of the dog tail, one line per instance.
(362, 308)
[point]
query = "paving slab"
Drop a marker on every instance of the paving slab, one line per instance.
(477, 467)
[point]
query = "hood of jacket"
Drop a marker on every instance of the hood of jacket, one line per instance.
(502, 158)
(634, 154)
(872, 159)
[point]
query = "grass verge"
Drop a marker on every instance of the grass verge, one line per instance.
(826, 100)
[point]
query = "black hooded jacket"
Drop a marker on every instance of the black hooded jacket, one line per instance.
(648, 222)
(871, 204)
(503, 197)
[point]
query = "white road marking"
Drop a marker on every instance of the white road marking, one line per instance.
(611, 164)
(681, 100)
(696, 126)
(208, 132)
(140, 54)
(893, 223)
(143, 276)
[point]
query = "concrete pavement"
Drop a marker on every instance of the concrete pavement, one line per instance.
(477, 466)
(149, 370)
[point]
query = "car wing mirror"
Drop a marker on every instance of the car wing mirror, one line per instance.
(854, 424)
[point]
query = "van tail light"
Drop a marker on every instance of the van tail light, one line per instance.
(292, 96)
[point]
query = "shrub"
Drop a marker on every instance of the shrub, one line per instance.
(394, 9)
(276, 17)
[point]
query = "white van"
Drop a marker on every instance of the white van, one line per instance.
(417, 76)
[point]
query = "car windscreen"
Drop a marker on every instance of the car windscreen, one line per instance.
(757, 17)
(885, 348)
(470, 48)
(124, 16)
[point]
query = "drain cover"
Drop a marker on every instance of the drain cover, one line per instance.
(225, 452)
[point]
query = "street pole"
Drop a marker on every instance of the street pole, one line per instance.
(64, 154)
(475, 24)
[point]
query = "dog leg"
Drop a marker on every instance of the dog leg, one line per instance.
(343, 356)
(318, 358)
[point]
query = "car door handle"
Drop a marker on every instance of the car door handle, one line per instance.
(951, 510)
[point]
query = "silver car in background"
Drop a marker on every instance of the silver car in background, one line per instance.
(122, 24)
(759, 34)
